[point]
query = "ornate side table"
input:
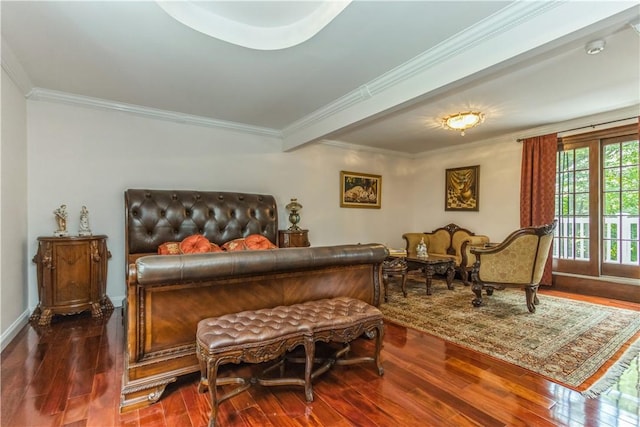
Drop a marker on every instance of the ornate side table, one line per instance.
(72, 277)
(293, 238)
(394, 266)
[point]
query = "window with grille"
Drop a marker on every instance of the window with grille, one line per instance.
(598, 204)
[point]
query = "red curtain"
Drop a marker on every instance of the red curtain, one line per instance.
(538, 186)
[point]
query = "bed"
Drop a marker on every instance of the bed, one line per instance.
(168, 294)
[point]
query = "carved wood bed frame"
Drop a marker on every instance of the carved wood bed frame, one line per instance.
(168, 295)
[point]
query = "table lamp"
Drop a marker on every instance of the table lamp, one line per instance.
(294, 216)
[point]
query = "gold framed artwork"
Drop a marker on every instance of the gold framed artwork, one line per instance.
(360, 190)
(461, 192)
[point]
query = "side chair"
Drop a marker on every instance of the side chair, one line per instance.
(518, 261)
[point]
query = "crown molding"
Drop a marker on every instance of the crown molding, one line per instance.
(40, 94)
(582, 122)
(14, 70)
(517, 29)
(504, 20)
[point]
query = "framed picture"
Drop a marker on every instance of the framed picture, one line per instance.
(461, 192)
(360, 190)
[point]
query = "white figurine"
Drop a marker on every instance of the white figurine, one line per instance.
(61, 219)
(421, 249)
(84, 222)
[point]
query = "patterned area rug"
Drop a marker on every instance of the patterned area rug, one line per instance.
(566, 341)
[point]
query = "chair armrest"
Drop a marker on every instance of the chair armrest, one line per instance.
(487, 248)
(478, 240)
(466, 250)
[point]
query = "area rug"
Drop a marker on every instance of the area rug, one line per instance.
(566, 341)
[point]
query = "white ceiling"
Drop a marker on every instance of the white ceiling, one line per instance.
(380, 75)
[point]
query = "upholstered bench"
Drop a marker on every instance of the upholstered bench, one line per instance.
(257, 336)
(342, 320)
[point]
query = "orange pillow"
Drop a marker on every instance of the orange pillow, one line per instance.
(235, 245)
(215, 248)
(195, 244)
(169, 248)
(258, 242)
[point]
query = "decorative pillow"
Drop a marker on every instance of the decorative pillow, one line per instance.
(258, 242)
(195, 244)
(169, 248)
(235, 245)
(215, 248)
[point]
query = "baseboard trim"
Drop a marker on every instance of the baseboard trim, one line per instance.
(582, 285)
(23, 320)
(14, 329)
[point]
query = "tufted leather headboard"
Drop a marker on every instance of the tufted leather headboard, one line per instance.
(153, 217)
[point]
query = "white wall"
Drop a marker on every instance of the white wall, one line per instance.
(13, 212)
(499, 204)
(82, 156)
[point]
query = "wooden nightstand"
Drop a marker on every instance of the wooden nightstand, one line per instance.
(72, 277)
(293, 238)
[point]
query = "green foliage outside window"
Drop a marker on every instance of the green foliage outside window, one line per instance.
(620, 202)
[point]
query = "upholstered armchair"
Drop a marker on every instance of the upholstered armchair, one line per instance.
(450, 240)
(518, 261)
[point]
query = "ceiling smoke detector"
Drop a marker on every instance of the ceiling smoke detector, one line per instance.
(594, 47)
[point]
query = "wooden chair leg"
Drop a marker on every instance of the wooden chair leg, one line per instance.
(404, 284)
(530, 292)
(477, 290)
(464, 275)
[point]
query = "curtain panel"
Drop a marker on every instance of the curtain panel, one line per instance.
(538, 186)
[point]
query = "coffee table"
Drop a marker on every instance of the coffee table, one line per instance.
(431, 265)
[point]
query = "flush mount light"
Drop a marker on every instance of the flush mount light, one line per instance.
(463, 121)
(594, 47)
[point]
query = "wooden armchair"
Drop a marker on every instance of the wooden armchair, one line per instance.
(518, 261)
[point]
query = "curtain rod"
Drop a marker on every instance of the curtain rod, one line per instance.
(589, 126)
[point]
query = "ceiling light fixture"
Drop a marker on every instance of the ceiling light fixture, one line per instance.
(594, 47)
(463, 121)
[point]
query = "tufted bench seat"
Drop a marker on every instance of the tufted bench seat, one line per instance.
(257, 336)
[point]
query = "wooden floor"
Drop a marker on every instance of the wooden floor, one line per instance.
(71, 375)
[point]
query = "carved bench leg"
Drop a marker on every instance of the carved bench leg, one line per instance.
(212, 373)
(309, 349)
(379, 338)
(348, 334)
(209, 364)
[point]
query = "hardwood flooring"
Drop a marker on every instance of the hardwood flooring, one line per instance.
(70, 375)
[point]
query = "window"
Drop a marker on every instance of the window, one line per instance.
(598, 204)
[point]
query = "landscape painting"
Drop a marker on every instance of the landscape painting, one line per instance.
(360, 190)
